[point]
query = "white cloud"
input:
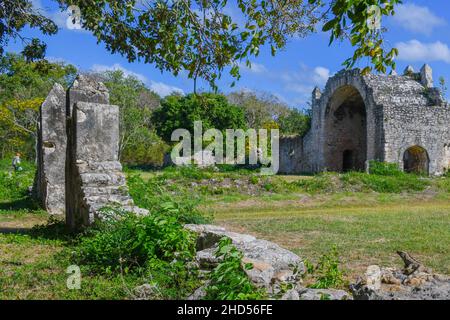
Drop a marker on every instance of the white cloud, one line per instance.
(303, 81)
(417, 19)
(415, 50)
(60, 18)
(160, 88)
(254, 68)
(117, 66)
(164, 89)
(321, 75)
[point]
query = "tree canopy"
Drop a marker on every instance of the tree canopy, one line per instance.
(199, 36)
(23, 87)
(213, 110)
(202, 38)
(15, 15)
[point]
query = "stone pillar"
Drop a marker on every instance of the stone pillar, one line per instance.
(78, 154)
(426, 76)
(94, 177)
(409, 71)
(51, 152)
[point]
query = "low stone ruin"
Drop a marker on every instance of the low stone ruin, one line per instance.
(77, 154)
(413, 282)
(358, 118)
(273, 266)
(276, 269)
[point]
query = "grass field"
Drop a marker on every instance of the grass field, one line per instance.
(364, 234)
(294, 211)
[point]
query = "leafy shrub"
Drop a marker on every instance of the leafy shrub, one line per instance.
(14, 185)
(228, 279)
(444, 183)
(317, 184)
(123, 240)
(357, 181)
(384, 168)
(154, 196)
(326, 273)
(253, 179)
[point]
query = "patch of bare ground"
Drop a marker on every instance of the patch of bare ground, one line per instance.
(11, 222)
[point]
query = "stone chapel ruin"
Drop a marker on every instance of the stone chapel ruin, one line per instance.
(400, 119)
(77, 153)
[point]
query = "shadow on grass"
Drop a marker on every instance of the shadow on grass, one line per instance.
(54, 229)
(15, 230)
(26, 203)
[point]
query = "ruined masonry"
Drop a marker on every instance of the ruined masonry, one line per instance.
(78, 167)
(400, 119)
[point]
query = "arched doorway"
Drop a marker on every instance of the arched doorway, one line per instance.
(416, 160)
(345, 131)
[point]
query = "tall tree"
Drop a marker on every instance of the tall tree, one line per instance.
(259, 107)
(23, 87)
(182, 111)
(139, 144)
(15, 15)
(200, 37)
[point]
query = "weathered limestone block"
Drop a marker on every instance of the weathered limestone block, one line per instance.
(51, 152)
(77, 154)
(413, 282)
(86, 89)
(274, 268)
(271, 263)
(93, 168)
(426, 76)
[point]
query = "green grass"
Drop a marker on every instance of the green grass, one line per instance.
(35, 268)
(364, 235)
(368, 217)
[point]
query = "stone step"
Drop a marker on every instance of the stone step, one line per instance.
(100, 167)
(94, 179)
(108, 190)
(105, 199)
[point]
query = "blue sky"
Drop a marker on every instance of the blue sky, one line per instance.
(420, 29)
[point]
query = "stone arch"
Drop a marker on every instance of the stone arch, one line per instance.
(416, 160)
(345, 129)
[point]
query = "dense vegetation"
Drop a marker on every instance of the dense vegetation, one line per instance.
(181, 111)
(146, 120)
(125, 251)
(23, 87)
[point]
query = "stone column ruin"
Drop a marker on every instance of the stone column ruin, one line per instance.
(77, 154)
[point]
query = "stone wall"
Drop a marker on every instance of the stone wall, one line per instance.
(51, 152)
(373, 117)
(85, 171)
(291, 154)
